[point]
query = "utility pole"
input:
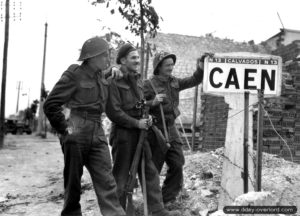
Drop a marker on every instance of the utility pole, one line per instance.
(28, 97)
(28, 103)
(41, 118)
(18, 98)
(4, 68)
(3, 86)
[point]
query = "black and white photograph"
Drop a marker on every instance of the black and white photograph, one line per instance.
(149, 108)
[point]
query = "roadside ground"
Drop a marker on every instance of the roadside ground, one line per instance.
(31, 180)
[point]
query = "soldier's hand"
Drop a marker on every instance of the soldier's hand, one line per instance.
(159, 98)
(200, 61)
(209, 54)
(62, 135)
(116, 73)
(150, 121)
(143, 124)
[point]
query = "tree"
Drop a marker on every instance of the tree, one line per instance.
(30, 112)
(142, 19)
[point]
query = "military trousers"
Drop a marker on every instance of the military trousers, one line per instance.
(174, 159)
(87, 146)
(124, 142)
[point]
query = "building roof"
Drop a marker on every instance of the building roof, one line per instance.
(284, 30)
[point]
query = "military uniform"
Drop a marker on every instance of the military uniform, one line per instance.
(85, 92)
(122, 111)
(171, 86)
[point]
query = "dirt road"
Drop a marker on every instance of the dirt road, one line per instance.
(31, 181)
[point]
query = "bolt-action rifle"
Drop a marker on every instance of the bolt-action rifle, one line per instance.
(134, 167)
(162, 117)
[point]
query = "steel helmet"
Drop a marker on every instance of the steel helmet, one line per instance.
(159, 57)
(93, 47)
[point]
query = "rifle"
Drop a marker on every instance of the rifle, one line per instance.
(162, 117)
(134, 167)
(164, 125)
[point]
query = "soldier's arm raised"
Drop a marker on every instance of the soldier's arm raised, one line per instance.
(191, 81)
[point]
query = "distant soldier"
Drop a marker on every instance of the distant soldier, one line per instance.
(84, 90)
(127, 123)
(163, 88)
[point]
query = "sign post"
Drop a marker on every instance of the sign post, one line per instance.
(259, 140)
(238, 77)
(246, 140)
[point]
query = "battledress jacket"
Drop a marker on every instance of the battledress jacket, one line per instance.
(79, 88)
(171, 86)
(121, 106)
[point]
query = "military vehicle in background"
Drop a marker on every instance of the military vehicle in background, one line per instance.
(15, 126)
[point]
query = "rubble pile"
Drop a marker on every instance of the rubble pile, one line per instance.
(202, 182)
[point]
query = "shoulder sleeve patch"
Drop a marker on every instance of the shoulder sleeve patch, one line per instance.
(64, 79)
(73, 67)
(69, 73)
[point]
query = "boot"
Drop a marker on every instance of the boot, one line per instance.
(164, 212)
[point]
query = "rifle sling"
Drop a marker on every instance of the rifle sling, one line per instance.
(162, 115)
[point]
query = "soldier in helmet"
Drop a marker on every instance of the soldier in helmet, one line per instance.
(84, 89)
(164, 88)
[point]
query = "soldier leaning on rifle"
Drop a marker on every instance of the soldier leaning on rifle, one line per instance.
(164, 88)
(84, 89)
(127, 122)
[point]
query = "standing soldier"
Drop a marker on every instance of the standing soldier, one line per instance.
(127, 123)
(163, 88)
(84, 90)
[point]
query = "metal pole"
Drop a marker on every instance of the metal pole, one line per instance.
(18, 98)
(28, 103)
(41, 113)
(44, 57)
(246, 139)
(194, 117)
(4, 69)
(259, 140)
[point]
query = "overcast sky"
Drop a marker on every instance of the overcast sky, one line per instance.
(71, 22)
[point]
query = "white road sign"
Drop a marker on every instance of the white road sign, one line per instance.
(240, 72)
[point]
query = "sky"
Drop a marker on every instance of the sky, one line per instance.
(71, 22)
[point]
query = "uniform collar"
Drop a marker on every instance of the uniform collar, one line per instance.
(163, 78)
(91, 72)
